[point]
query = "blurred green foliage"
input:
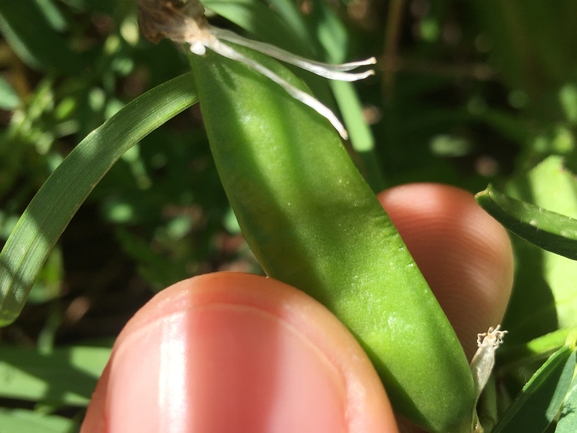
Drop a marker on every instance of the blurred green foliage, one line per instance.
(466, 93)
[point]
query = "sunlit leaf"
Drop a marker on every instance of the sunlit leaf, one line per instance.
(568, 419)
(67, 376)
(20, 420)
(541, 398)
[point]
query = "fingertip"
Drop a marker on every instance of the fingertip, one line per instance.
(464, 254)
(237, 352)
(94, 419)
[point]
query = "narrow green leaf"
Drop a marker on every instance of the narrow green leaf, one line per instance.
(546, 229)
(352, 110)
(50, 211)
(562, 388)
(330, 31)
(542, 397)
(20, 420)
(568, 419)
(67, 376)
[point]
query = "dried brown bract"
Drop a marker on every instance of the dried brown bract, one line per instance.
(178, 20)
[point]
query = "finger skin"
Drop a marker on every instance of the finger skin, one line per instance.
(237, 353)
(464, 254)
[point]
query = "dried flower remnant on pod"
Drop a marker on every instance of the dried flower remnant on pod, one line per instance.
(183, 21)
(484, 359)
(483, 362)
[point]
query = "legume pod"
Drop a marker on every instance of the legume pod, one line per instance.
(313, 222)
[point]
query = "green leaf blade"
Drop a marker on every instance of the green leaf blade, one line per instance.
(568, 419)
(57, 201)
(546, 229)
(542, 397)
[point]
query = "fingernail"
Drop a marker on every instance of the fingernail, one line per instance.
(223, 368)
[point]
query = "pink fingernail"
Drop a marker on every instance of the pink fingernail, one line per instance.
(223, 368)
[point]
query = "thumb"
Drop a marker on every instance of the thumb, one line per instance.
(230, 352)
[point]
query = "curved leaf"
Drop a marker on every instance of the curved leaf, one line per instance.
(57, 201)
(548, 230)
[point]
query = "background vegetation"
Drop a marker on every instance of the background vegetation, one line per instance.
(466, 93)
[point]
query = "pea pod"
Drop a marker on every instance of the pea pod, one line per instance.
(313, 222)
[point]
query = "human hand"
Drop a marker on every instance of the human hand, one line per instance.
(230, 352)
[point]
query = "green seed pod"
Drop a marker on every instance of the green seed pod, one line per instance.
(313, 222)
